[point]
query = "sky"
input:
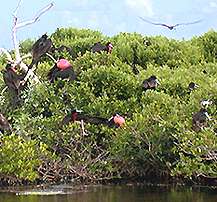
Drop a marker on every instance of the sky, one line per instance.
(110, 17)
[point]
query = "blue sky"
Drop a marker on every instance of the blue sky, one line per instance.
(111, 17)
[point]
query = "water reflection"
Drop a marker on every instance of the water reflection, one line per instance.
(67, 193)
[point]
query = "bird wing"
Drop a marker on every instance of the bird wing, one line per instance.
(11, 80)
(171, 26)
(98, 47)
(52, 72)
(153, 23)
(66, 120)
(41, 47)
(187, 23)
(64, 74)
(92, 119)
(145, 84)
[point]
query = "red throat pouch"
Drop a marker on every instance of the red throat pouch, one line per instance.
(63, 64)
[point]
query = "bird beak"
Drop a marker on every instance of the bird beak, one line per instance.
(79, 111)
(197, 86)
(110, 46)
(110, 118)
(207, 115)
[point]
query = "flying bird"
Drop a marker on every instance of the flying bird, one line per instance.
(170, 27)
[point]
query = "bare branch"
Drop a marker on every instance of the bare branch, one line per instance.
(16, 25)
(30, 73)
(24, 66)
(29, 22)
(16, 10)
(16, 45)
(15, 13)
(4, 89)
(51, 57)
(82, 128)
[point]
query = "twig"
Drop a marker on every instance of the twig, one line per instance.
(23, 24)
(52, 58)
(29, 22)
(4, 89)
(82, 128)
(16, 26)
(23, 58)
(16, 10)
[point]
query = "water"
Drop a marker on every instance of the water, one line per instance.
(126, 193)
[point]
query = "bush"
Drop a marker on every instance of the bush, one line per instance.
(20, 157)
(157, 139)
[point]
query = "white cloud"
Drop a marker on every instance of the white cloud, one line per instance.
(210, 7)
(213, 4)
(142, 6)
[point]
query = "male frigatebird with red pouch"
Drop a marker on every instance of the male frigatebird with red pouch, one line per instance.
(115, 121)
(62, 69)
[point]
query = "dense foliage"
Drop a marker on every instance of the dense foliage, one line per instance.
(157, 139)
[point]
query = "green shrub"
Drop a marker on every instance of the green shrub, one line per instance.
(20, 157)
(157, 138)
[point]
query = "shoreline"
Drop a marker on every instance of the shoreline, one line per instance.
(135, 181)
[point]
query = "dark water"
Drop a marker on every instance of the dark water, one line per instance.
(126, 193)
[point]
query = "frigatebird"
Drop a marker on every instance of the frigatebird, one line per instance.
(192, 86)
(199, 119)
(62, 69)
(170, 27)
(150, 83)
(14, 81)
(98, 47)
(4, 124)
(76, 115)
(40, 48)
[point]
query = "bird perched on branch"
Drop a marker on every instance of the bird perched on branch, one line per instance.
(150, 83)
(62, 69)
(170, 27)
(14, 81)
(4, 124)
(40, 48)
(199, 120)
(98, 47)
(75, 115)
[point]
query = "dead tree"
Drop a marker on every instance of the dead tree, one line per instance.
(18, 60)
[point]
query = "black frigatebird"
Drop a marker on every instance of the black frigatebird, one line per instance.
(170, 27)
